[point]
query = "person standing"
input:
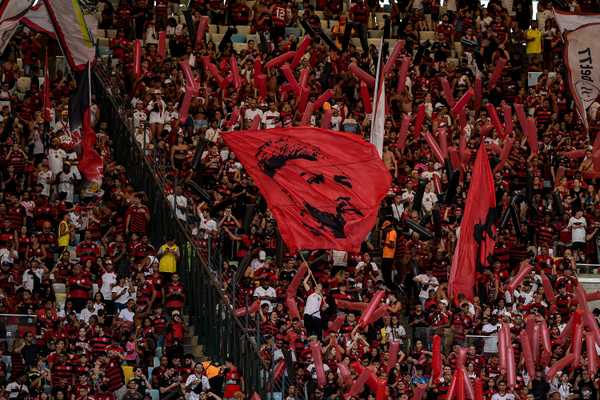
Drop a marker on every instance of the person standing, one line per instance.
(169, 254)
(389, 236)
(312, 309)
(233, 382)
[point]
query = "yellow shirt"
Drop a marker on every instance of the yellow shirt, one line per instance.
(389, 252)
(534, 46)
(63, 241)
(168, 261)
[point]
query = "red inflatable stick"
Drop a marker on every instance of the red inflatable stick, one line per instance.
(233, 118)
(560, 364)
(461, 358)
(573, 154)
(162, 44)
(527, 353)
(381, 392)
(436, 358)
(454, 157)
(326, 119)
(452, 390)
(508, 144)
(532, 139)
(373, 305)
(448, 93)
(260, 81)
(521, 116)
(350, 305)
(304, 74)
(391, 61)
(469, 391)
(419, 119)
(577, 343)
(289, 75)
(277, 61)
(478, 389)
(497, 73)
(463, 151)
(501, 347)
(214, 72)
(443, 140)
(296, 280)
(517, 279)
(511, 368)
(302, 47)
(345, 374)
(460, 105)
(188, 75)
(317, 355)
(185, 105)
(404, 67)
(328, 94)
(366, 98)
(292, 306)
(137, 58)
(392, 356)
(201, 31)
(378, 313)
(255, 124)
(495, 120)
(592, 353)
(359, 384)
(460, 384)
(337, 323)
(257, 66)
(362, 75)
(545, 336)
(588, 318)
(401, 142)
(548, 290)
(235, 72)
(252, 309)
(306, 116)
(593, 296)
(434, 147)
(508, 121)
(303, 99)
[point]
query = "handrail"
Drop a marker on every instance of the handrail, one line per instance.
(113, 94)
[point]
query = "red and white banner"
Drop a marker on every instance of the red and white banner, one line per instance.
(38, 20)
(72, 32)
(568, 21)
(582, 56)
(11, 11)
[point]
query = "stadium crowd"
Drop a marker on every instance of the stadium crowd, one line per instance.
(108, 305)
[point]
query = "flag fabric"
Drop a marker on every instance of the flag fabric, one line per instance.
(46, 102)
(72, 32)
(11, 12)
(568, 21)
(90, 162)
(582, 53)
(477, 231)
(378, 130)
(323, 187)
(38, 20)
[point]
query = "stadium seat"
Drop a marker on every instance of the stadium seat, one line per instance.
(23, 84)
(216, 37)
(324, 24)
(98, 33)
(250, 4)
(213, 28)
(243, 29)
(427, 35)
(111, 33)
(238, 38)
(240, 47)
(320, 14)
(252, 37)
(154, 393)
(375, 33)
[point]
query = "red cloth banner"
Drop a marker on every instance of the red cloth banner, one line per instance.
(323, 187)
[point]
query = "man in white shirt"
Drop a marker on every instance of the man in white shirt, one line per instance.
(128, 313)
(502, 394)
(180, 203)
(196, 383)
(429, 198)
(428, 282)
(87, 312)
(312, 310)
(266, 294)
(251, 112)
(397, 207)
(271, 118)
(109, 280)
(139, 115)
(577, 224)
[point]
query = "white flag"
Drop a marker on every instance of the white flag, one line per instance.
(582, 52)
(378, 130)
(11, 12)
(568, 21)
(38, 20)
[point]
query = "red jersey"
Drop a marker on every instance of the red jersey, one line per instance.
(79, 287)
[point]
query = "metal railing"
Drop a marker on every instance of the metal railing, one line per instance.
(209, 307)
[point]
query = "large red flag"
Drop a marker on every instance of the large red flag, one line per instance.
(477, 232)
(323, 187)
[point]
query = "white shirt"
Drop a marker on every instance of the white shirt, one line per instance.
(124, 297)
(577, 231)
(67, 183)
(249, 115)
(271, 119)
(56, 157)
(85, 314)
(268, 292)
(108, 280)
(44, 178)
(313, 305)
(507, 396)
(14, 388)
(429, 200)
(427, 283)
(138, 116)
(194, 380)
(180, 204)
(397, 210)
(127, 315)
